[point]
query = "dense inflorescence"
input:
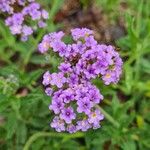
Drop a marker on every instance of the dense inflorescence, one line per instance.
(18, 11)
(74, 97)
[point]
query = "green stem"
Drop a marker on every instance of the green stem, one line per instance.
(35, 43)
(49, 134)
(108, 117)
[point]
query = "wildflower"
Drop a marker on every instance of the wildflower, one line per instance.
(67, 114)
(95, 117)
(57, 105)
(58, 124)
(80, 33)
(74, 97)
(71, 128)
(49, 91)
(68, 95)
(84, 105)
(65, 67)
(16, 20)
(83, 125)
(58, 79)
(46, 78)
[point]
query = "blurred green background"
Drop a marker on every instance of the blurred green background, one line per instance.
(24, 113)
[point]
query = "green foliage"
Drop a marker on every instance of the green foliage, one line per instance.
(24, 113)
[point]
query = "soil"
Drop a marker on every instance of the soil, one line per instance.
(73, 15)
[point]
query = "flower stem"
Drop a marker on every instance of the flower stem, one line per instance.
(108, 117)
(50, 134)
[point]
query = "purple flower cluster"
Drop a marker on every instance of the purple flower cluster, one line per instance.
(18, 11)
(74, 97)
(7, 5)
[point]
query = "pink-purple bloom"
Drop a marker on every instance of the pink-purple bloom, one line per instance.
(84, 105)
(58, 124)
(74, 97)
(57, 105)
(16, 20)
(83, 125)
(67, 114)
(46, 78)
(95, 117)
(71, 128)
(58, 79)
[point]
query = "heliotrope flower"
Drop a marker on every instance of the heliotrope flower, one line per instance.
(84, 105)
(46, 78)
(71, 128)
(95, 117)
(74, 97)
(57, 105)
(58, 79)
(67, 114)
(58, 124)
(17, 11)
(83, 125)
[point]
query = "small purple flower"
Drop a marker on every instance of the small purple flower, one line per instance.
(80, 33)
(46, 78)
(49, 91)
(57, 94)
(26, 30)
(45, 14)
(16, 20)
(16, 29)
(82, 92)
(44, 45)
(95, 95)
(68, 115)
(71, 128)
(95, 117)
(90, 41)
(83, 125)
(42, 24)
(73, 79)
(84, 105)
(57, 105)
(58, 124)
(65, 67)
(35, 15)
(80, 66)
(90, 72)
(68, 95)
(24, 38)
(51, 40)
(58, 79)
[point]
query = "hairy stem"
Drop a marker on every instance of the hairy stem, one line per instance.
(108, 117)
(35, 136)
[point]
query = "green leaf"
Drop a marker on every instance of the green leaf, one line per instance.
(11, 125)
(129, 145)
(128, 78)
(31, 77)
(4, 102)
(5, 32)
(21, 132)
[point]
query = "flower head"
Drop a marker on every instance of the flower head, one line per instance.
(68, 114)
(74, 97)
(16, 20)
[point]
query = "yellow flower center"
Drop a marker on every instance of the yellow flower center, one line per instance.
(45, 45)
(107, 75)
(94, 115)
(49, 78)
